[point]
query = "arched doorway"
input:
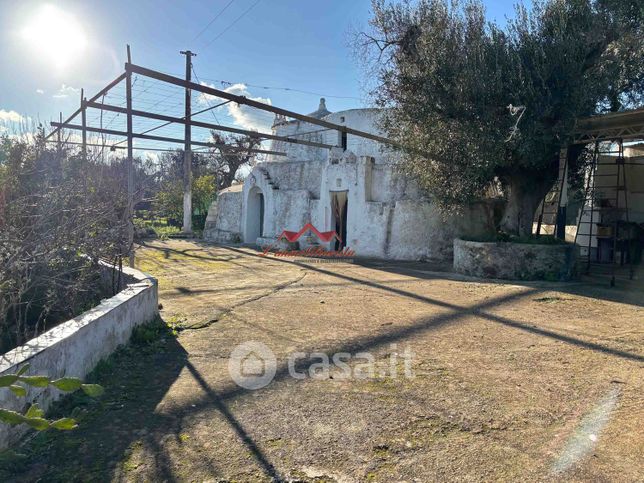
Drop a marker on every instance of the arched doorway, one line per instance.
(254, 215)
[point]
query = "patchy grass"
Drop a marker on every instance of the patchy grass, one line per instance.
(166, 261)
(160, 227)
(91, 453)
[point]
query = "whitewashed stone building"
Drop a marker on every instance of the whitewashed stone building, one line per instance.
(376, 211)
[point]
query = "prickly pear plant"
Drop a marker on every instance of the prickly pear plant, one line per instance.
(34, 416)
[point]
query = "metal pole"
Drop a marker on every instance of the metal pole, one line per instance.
(187, 153)
(129, 164)
(60, 145)
(84, 124)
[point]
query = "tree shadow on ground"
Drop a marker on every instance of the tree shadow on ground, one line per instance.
(479, 309)
(218, 400)
(136, 378)
(594, 286)
(625, 291)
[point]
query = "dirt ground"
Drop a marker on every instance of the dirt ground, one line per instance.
(510, 382)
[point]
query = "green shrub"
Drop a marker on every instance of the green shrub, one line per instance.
(35, 416)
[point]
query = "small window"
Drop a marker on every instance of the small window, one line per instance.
(342, 119)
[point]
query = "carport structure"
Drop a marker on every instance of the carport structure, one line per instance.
(610, 213)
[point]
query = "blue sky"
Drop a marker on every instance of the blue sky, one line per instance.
(299, 44)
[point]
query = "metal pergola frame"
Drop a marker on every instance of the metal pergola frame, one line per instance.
(188, 122)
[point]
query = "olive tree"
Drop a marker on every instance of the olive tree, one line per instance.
(476, 105)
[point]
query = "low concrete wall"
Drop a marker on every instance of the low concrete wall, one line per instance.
(73, 348)
(515, 261)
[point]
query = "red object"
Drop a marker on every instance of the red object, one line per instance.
(325, 236)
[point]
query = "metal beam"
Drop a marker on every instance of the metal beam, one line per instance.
(605, 134)
(97, 145)
(216, 127)
(610, 126)
(112, 132)
(249, 102)
(103, 91)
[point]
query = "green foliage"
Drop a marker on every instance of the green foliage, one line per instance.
(18, 390)
(34, 416)
(169, 200)
(211, 171)
(152, 332)
(67, 384)
(448, 76)
(203, 192)
(158, 225)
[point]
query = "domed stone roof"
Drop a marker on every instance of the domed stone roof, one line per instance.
(322, 110)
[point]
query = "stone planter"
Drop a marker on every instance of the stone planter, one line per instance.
(515, 261)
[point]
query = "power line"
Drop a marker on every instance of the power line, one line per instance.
(225, 83)
(211, 22)
(234, 22)
(205, 98)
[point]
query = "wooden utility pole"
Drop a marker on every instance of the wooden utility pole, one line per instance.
(129, 163)
(84, 124)
(187, 150)
(60, 144)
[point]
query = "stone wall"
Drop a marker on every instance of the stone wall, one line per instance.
(515, 261)
(73, 348)
(223, 224)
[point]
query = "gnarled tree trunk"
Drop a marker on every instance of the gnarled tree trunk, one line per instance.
(524, 193)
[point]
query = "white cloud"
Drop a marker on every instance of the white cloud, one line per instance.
(10, 116)
(243, 116)
(65, 91)
(40, 91)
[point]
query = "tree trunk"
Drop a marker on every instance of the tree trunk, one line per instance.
(524, 194)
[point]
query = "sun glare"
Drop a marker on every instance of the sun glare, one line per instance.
(55, 36)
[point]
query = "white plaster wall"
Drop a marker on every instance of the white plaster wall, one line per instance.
(291, 211)
(389, 185)
(73, 348)
(295, 175)
(365, 120)
(298, 152)
(417, 231)
(223, 223)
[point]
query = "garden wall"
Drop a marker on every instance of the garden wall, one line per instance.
(515, 261)
(73, 348)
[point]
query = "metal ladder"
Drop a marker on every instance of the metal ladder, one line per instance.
(589, 206)
(555, 193)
